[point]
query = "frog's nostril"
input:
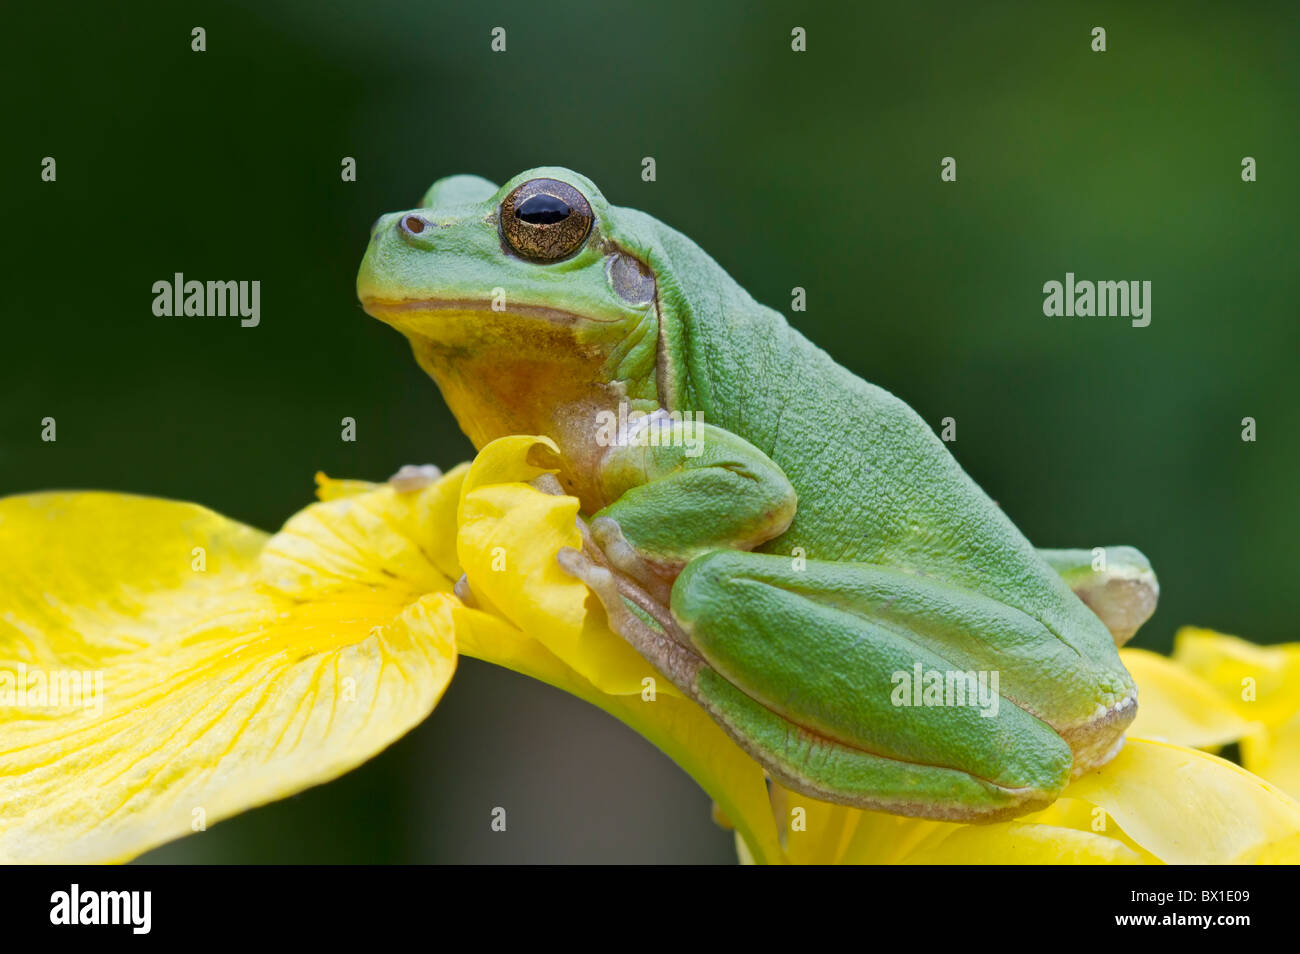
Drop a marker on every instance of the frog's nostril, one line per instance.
(374, 226)
(413, 225)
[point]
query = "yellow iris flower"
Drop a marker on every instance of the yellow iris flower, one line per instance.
(238, 668)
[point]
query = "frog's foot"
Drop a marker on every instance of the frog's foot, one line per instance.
(645, 623)
(1123, 594)
(1097, 742)
(607, 538)
(1124, 600)
(413, 477)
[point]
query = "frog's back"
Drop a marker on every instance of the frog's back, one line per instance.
(875, 484)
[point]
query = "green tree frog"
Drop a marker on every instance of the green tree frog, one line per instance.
(790, 545)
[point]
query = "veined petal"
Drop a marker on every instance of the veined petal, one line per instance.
(1185, 806)
(412, 533)
(1261, 682)
(1178, 706)
(234, 669)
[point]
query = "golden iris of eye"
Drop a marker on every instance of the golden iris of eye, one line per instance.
(545, 220)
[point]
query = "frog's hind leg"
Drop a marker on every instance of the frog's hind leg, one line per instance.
(823, 672)
(799, 667)
(635, 614)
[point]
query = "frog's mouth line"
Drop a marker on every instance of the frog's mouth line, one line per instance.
(379, 307)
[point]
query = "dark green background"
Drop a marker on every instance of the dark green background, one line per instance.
(818, 169)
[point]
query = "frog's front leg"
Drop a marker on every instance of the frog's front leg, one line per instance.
(697, 488)
(1116, 583)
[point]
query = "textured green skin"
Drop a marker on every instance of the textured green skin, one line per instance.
(907, 560)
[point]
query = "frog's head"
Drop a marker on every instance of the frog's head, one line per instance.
(523, 301)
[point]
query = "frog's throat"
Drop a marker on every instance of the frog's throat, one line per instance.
(651, 629)
(525, 371)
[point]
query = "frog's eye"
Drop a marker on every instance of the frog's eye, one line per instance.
(545, 220)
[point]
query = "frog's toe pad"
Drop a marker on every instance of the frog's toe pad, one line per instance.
(1097, 742)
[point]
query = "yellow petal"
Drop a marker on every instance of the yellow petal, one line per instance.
(1187, 807)
(539, 621)
(235, 670)
(1261, 682)
(1153, 803)
(814, 832)
(1020, 843)
(1063, 833)
(413, 532)
(1178, 706)
(1274, 754)
(509, 536)
(674, 724)
(882, 839)
(329, 488)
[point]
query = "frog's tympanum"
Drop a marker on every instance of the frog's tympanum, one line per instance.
(791, 546)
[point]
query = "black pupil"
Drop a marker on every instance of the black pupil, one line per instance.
(542, 209)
